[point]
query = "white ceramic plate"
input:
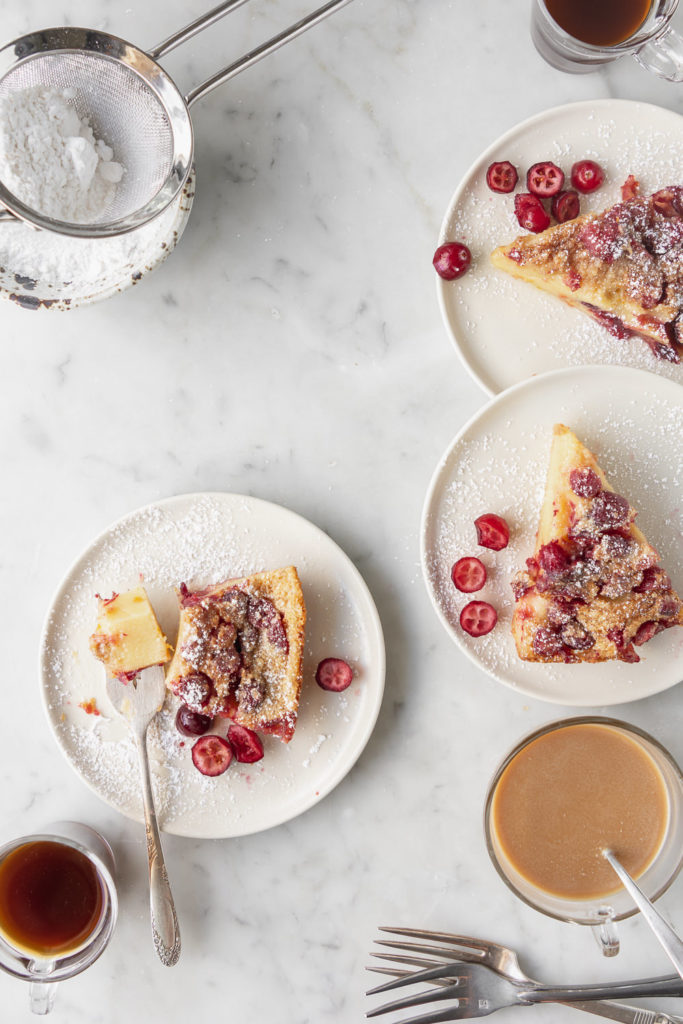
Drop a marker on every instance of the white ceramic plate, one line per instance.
(200, 539)
(506, 330)
(498, 462)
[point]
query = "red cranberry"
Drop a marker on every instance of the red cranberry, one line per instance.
(573, 280)
(547, 643)
(616, 546)
(552, 557)
(478, 618)
(531, 213)
(452, 260)
(646, 632)
(586, 175)
(544, 179)
(195, 690)
(654, 578)
(584, 545)
(565, 206)
(211, 755)
(191, 723)
(468, 575)
(630, 189)
(333, 674)
(669, 608)
(610, 510)
(492, 531)
(668, 202)
(577, 636)
(501, 176)
(246, 745)
(585, 482)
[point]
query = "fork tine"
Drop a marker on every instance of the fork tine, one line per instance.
(462, 955)
(431, 996)
(438, 1016)
(448, 937)
(414, 961)
(415, 977)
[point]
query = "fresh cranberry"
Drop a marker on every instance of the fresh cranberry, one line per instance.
(585, 482)
(492, 531)
(552, 557)
(478, 618)
(501, 176)
(565, 206)
(646, 632)
(586, 175)
(191, 723)
(211, 755)
(468, 575)
(333, 674)
(544, 179)
(654, 578)
(610, 510)
(246, 745)
(547, 643)
(530, 212)
(452, 260)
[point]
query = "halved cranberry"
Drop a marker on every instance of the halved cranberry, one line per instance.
(552, 557)
(546, 643)
(492, 531)
(191, 723)
(544, 179)
(565, 206)
(530, 212)
(211, 755)
(246, 745)
(501, 176)
(585, 482)
(478, 618)
(468, 575)
(586, 175)
(333, 674)
(452, 260)
(610, 510)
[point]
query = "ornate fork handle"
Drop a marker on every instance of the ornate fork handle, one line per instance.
(165, 930)
(671, 985)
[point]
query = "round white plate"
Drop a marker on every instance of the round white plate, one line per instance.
(498, 462)
(202, 539)
(505, 330)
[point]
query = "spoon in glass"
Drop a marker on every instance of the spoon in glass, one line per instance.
(664, 933)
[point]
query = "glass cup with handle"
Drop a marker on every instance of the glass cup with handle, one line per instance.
(58, 906)
(558, 801)
(578, 44)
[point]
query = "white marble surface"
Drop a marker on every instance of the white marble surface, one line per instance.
(292, 349)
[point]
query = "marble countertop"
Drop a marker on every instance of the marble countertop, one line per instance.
(292, 349)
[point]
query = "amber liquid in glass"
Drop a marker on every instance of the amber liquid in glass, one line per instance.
(599, 22)
(51, 899)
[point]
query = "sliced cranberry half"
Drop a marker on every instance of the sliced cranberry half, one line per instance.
(530, 212)
(333, 674)
(492, 531)
(468, 575)
(565, 206)
(211, 755)
(191, 723)
(502, 176)
(246, 745)
(452, 260)
(586, 175)
(545, 179)
(478, 618)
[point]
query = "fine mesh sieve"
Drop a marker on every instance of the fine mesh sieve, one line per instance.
(131, 104)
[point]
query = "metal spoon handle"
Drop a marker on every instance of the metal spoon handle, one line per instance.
(165, 930)
(664, 933)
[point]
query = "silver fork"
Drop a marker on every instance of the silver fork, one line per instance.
(475, 990)
(498, 958)
(138, 701)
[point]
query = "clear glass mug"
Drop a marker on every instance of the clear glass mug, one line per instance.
(655, 44)
(43, 973)
(598, 913)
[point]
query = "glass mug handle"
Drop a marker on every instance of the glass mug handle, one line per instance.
(606, 934)
(42, 993)
(663, 55)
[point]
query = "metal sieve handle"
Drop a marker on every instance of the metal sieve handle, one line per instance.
(248, 59)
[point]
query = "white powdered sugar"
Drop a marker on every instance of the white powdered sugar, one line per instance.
(50, 158)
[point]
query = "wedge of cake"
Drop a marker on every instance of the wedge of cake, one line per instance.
(127, 636)
(239, 650)
(593, 589)
(623, 267)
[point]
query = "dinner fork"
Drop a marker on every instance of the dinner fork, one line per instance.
(498, 958)
(477, 991)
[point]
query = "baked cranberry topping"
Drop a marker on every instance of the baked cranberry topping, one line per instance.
(246, 745)
(630, 189)
(211, 755)
(262, 614)
(501, 176)
(610, 510)
(583, 545)
(530, 213)
(478, 618)
(669, 607)
(552, 557)
(669, 201)
(492, 531)
(468, 575)
(646, 632)
(654, 578)
(577, 636)
(573, 280)
(544, 179)
(547, 643)
(585, 482)
(586, 175)
(195, 690)
(452, 260)
(333, 674)
(565, 206)
(615, 546)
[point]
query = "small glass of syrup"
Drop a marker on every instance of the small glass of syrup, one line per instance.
(582, 35)
(58, 906)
